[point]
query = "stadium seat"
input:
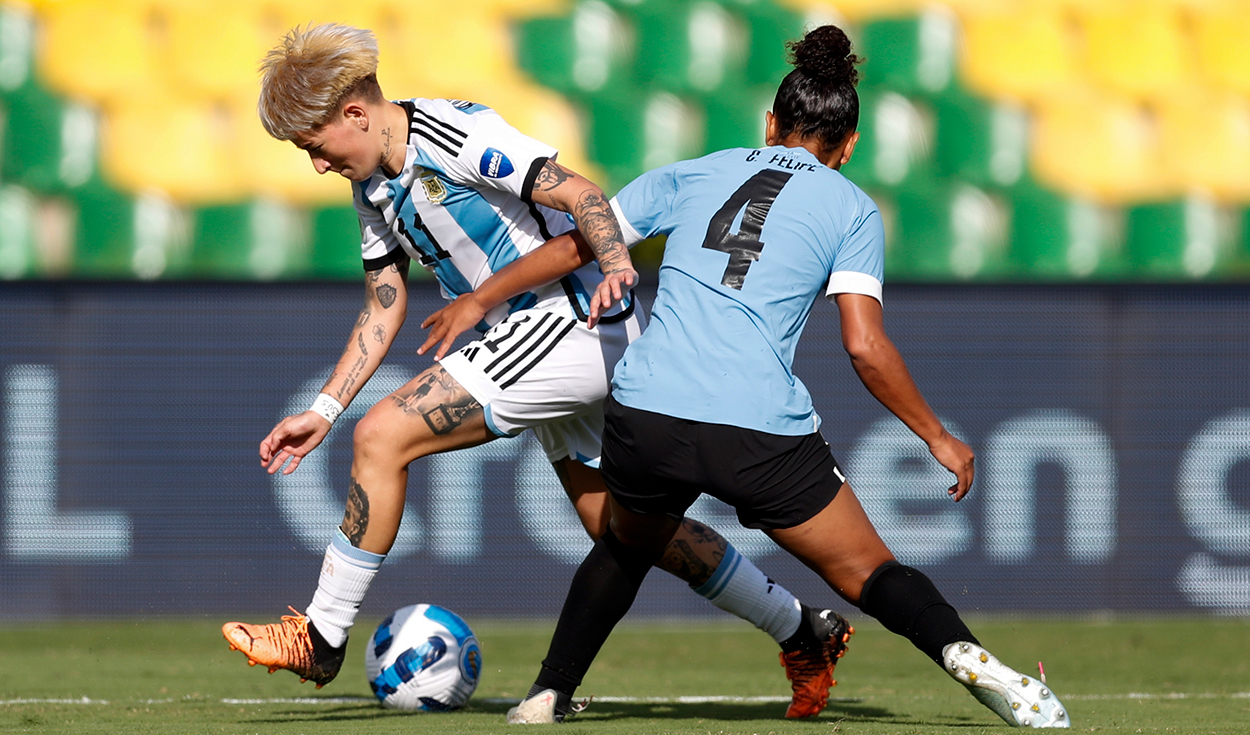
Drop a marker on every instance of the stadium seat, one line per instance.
(979, 141)
(32, 138)
(176, 146)
(896, 144)
(125, 237)
(913, 55)
(688, 47)
(18, 228)
(737, 121)
(100, 50)
(630, 132)
(544, 115)
(584, 52)
(948, 232)
(260, 240)
(855, 10)
(1220, 40)
(1205, 138)
(1055, 236)
(1193, 238)
(335, 244)
(768, 27)
(1138, 50)
(215, 51)
(1103, 148)
(1021, 52)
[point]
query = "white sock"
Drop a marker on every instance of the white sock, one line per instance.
(346, 574)
(739, 587)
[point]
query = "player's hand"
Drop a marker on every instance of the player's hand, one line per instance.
(450, 322)
(292, 439)
(958, 458)
(612, 289)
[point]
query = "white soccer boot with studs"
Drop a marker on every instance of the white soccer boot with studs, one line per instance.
(1020, 700)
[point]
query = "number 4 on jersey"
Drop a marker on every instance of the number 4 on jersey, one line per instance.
(758, 194)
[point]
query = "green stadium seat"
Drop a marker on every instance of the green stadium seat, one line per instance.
(979, 141)
(17, 233)
(584, 52)
(630, 132)
(1059, 237)
(257, 240)
(32, 138)
(737, 121)
(768, 26)
(896, 143)
(123, 237)
(914, 55)
(944, 233)
(335, 244)
(1194, 238)
(685, 46)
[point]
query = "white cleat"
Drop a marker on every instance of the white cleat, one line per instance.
(539, 709)
(1020, 700)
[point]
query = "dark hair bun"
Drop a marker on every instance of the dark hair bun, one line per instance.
(824, 54)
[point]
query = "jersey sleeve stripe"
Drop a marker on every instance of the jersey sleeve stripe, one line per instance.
(631, 236)
(452, 149)
(853, 282)
(391, 258)
(527, 188)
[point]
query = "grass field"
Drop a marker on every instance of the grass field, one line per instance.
(1187, 675)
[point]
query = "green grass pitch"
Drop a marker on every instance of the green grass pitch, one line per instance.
(1149, 675)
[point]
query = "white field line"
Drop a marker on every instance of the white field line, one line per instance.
(708, 699)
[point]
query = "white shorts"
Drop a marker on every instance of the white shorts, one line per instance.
(544, 370)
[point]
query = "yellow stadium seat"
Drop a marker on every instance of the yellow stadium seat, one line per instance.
(1205, 139)
(1103, 148)
(180, 147)
(857, 9)
(1019, 52)
(99, 50)
(214, 50)
(546, 116)
(1138, 50)
(1220, 36)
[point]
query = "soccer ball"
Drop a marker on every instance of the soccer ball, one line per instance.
(423, 658)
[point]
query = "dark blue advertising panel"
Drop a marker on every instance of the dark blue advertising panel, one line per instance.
(1111, 425)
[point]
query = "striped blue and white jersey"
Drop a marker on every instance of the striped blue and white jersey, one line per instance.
(754, 236)
(461, 206)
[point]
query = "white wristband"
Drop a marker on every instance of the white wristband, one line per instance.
(327, 408)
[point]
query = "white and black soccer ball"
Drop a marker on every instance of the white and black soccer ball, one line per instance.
(423, 658)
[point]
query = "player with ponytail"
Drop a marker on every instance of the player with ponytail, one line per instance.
(705, 400)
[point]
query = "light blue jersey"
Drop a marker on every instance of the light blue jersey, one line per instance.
(754, 236)
(461, 206)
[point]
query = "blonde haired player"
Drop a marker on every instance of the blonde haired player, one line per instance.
(449, 184)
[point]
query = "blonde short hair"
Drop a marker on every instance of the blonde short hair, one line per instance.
(308, 77)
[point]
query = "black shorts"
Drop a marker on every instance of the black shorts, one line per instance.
(654, 463)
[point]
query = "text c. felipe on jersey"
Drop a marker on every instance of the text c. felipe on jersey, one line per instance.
(461, 206)
(754, 235)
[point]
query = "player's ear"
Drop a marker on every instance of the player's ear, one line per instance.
(770, 129)
(848, 148)
(356, 115)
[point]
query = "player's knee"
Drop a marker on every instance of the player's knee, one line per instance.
(372, 443)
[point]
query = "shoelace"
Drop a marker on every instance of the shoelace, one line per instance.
(291, 636)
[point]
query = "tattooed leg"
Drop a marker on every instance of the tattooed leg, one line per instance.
(694, 553)
(356, 517)
(438, 399)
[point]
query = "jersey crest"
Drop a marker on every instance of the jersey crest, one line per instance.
(435, 192)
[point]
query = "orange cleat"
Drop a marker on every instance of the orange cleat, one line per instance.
(293, 644)
(811, 671)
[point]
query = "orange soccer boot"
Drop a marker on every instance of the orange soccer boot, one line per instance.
(293, 644)
(810, 671)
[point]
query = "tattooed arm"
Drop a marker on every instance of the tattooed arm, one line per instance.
(559, 188)
(551, 261)
(386, 305)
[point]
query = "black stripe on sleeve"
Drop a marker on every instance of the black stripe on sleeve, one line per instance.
(527, 188)
(450, 151)
(428, 118)
(391, 258)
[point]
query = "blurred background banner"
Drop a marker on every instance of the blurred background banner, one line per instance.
(1111, 423)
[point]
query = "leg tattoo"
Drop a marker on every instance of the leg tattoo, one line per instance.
(694, 554)
(356, 517)
(438, 399)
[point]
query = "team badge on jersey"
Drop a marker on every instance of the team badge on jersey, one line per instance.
(495, 164)
(434, 189)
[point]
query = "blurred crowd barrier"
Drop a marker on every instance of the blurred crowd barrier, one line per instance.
(1005, 140)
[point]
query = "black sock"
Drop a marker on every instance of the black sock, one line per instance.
(603, 590)
(905, 601)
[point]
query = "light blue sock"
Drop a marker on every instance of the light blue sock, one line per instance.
(739, 587)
